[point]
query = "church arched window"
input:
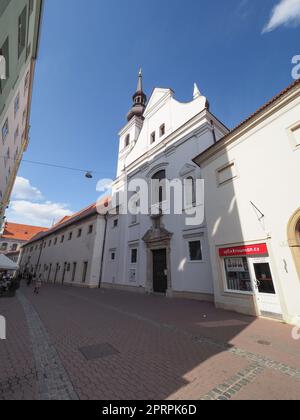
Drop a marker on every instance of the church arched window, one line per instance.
(159, 187)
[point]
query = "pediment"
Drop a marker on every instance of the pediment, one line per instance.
(157, 96)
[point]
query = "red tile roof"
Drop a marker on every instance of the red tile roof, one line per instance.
(69, 220)
(17, 232)
(250, 118)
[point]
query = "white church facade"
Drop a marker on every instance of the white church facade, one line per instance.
(161, 253)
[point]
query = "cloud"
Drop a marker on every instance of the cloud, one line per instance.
(37, 214)
(28, 206)
(23, 190)
(286, 12)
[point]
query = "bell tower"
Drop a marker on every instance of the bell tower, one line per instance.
(139, 100)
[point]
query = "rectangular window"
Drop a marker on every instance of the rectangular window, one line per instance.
(26, 83)
(115, 223)
(85, 268)
(90, 229)
(74, 272)
(237, 274)
(195, 251)
(70, 236)
(113, 256)
(4, 51)
(5, 130)
(152, 138)
(79, 233)
(134, 255)
(22, 31)
(17, 104)
(226, 173)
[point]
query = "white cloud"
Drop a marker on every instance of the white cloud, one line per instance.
(37, 214)
(286, 12)
(23, 190)
(28, 206)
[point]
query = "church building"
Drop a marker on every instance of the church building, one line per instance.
(158, 252)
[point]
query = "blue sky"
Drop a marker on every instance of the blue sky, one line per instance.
(86, 73)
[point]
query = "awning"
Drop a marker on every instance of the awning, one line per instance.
(7, 264)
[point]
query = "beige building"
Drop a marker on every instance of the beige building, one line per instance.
(253, 211)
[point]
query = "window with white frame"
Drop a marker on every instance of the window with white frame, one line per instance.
(133, 255)
(195, 250)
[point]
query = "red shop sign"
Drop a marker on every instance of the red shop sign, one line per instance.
(257, 249)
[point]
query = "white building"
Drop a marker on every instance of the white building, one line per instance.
(253, 211)
(71, 252)
(161, 254)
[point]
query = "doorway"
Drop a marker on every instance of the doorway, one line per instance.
(160, 272)
(264, 287)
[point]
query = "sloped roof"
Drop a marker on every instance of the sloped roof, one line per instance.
(247, 120)
(69, 220)
(18, 232)
(7, 264)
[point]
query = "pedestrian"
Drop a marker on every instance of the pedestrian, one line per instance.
(38, 284)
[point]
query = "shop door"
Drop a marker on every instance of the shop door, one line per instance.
(267, 298)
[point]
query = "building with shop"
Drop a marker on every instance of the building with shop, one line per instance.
(71, 252)
(253, 211)
(20, 22)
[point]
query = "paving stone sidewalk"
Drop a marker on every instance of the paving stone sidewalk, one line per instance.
(70, 343)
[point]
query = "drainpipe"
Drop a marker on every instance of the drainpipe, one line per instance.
(103, 250)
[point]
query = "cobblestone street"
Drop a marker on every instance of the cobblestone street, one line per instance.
(70, 344)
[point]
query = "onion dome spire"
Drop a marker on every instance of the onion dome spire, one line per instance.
(139, 100)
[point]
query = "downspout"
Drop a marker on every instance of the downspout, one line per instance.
(103, 250)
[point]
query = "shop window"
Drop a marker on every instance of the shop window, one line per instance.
(195, 251)
(238, 275)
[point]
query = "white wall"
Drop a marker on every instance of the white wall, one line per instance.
(188, 132)
(268, 166)
(86, 248)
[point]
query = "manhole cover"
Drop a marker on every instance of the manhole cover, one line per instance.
(98, 351)
(264, 343)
